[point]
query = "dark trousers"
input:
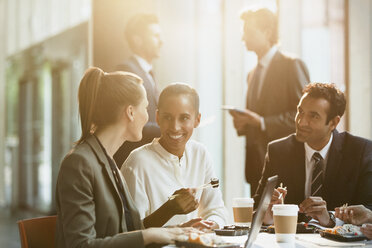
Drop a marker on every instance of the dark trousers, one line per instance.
(254, 162)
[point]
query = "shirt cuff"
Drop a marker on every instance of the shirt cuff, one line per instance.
(263, 127)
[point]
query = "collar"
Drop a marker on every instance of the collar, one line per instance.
(324, 152)
(266, 59)
(110, 160)
(143, 63)
(167, 155)
(97, 149)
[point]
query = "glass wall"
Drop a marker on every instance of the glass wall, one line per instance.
(323, 42)
(42, 118)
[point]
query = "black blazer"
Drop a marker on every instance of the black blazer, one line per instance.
(151, 129)
(89, 208)
(281, 91)
(348, 175)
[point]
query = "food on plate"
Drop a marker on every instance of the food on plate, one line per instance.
(206, 239)
(346, 229)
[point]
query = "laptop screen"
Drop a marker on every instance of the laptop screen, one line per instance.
(261, 210)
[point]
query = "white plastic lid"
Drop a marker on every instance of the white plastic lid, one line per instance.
(242, 202)
(285, 209)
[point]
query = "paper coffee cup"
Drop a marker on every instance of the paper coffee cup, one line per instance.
(243, 211)
(285, 222)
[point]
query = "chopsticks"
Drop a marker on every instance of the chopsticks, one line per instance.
(214, 183)
(344, 206)
(281, 194)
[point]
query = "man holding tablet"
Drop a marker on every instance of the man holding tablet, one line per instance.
(274, 89)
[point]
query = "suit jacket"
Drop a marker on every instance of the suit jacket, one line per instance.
(89, 209)
(348, 174)
(151, 129)
(277, 103)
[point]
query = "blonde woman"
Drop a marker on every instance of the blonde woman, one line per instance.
(94, 206)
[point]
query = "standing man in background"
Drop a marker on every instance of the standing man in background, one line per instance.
(274, 89)
(143, 35)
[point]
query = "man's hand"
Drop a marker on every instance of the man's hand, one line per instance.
(316, 208)
(367, 230)
(247, 118)
(276, 198)
(183, 201)
(200, 224)
(356, 215)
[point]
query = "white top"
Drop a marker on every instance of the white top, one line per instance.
(309, 163)
(153, 174)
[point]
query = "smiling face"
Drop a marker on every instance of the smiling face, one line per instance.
(177, 119)
(311, 122)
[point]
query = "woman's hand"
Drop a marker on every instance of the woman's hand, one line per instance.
(199, 223)
(183, 201)
(367, 230)
(356, 215)
(164, 235)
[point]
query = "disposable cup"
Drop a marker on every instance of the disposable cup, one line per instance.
(243, 211)
(285, 222)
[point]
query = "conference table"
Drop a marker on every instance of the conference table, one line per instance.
(302, 241)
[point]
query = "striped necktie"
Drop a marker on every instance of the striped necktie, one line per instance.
(317, 178)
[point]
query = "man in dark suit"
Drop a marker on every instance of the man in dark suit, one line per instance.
(274, 89)
(321, 168)
(143, 35)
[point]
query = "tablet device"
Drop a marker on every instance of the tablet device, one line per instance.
(232, 108)
(261, 210)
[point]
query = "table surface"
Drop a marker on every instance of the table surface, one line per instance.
(302, 241)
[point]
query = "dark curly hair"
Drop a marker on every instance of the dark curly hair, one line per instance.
(332, 94)
(175, 89)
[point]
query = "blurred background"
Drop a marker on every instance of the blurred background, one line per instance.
(46, 45)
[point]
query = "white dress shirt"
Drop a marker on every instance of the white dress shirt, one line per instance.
(146, 67)
(309, 163)
(265, 62)
(153, 174)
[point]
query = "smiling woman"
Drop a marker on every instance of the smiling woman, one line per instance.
(174, 165)
(177, 115)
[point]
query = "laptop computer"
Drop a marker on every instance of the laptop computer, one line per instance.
(261, 210)
(256, 222)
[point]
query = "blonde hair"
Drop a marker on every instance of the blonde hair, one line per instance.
(102, 96)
